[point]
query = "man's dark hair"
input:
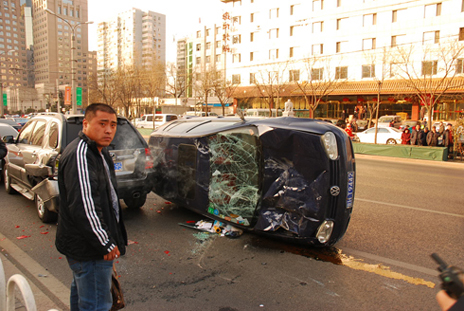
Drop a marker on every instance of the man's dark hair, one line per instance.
(91, 110)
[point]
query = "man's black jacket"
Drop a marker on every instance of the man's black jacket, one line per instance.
(87, 225)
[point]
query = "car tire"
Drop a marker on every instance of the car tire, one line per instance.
(391, 141)
(135, 203)
(44, 214)
(7, 181)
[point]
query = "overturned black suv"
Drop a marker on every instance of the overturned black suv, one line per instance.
(31, 165)
(289, 178)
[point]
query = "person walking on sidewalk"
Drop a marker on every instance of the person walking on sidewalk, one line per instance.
(91, 231)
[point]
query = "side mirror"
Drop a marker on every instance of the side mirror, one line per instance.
(8, 139)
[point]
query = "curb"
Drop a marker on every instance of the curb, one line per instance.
(49, 292)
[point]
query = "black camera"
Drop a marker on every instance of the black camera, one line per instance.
(451, 278)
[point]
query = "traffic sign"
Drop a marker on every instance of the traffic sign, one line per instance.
(5, 100)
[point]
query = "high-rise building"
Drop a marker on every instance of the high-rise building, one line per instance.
(52, 43)
(13, 55)
(133, 38)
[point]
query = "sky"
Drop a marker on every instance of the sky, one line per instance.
(182, 17)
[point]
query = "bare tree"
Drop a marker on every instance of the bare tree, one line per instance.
(223, 89)
(203, 85)
(434, 75)
(270, 84)
(176, 81)
(126, 87)
(321, 80)
(103, 87)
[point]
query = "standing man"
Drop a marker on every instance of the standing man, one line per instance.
(91, 231)
(432, 137)
(448, 140)
(415, 135)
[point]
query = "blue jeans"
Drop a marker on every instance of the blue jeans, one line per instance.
(91, 285)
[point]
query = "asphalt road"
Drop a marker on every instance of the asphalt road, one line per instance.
(404, 211)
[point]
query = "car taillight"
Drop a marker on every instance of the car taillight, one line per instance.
(148, 159)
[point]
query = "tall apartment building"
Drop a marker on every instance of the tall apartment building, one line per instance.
(133, 38)
(355, 38)
(13, 55)
(52, 43)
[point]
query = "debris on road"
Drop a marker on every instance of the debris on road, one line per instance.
(214, 227)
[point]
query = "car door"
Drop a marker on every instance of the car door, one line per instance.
(32, 153)
(17, 150)
(383, 135)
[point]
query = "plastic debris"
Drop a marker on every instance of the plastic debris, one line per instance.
(129, 242)
(215, 226)
(23, 237)
(44, 232)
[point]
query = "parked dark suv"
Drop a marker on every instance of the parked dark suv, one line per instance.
(31, 166)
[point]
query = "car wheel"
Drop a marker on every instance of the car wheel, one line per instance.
(391, 141)
(44, 214)
(7, 181)
(135, 202)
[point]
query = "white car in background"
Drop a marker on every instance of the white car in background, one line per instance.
(385, 135)
(384, 121)
(147, 120)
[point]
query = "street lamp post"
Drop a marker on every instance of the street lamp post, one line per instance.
(2, 109)
(73, 38)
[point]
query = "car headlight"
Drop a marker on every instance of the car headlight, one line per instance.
(325, 231)
(330, 144)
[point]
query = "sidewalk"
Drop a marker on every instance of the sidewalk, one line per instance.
(455, 163)
(49, 292)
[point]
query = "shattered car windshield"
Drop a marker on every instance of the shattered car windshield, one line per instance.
(234, 183)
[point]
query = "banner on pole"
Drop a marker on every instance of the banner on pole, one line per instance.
(67, 96)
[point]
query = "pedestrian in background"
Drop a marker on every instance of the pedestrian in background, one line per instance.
(448, 139)
(432, 137)
(415, 135)
(423, 136)
(406, 137)
(91, 232)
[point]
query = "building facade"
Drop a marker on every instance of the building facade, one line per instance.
(133, 38)
(370, 45)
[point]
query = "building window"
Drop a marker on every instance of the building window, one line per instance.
(432, 10)
(369, 44)
(318, 27)
(208, 45)
(251, 56)
(237, 39)
(368, 71)
(369, 20)
(317, 49)
(208, 59)
(461, 34)
(199, 34)
(341, 23)
(317, 73)
(236, 58)
(199, 47)
(459, 66)
(429, 68)
(252, 36)
(341, 72)
(252, 17)
(318, 5)
(291, 52)
(394, 16)
(340, 47)
(274, 33)
(294, 75)
(339, 3)
(393, 41)
(292, 9)
(236, 79)
(274, 54)
(274, 13)
(430, 37)
(218, 58)
(252, 78)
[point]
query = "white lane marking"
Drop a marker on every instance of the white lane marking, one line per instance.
(410, 207)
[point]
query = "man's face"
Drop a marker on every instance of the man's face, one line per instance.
(101, 128)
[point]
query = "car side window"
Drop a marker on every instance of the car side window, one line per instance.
(383, 131)
(54, 135)
(26, 133)
(38, 135)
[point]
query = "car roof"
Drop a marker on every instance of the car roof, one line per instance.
(6, 129)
